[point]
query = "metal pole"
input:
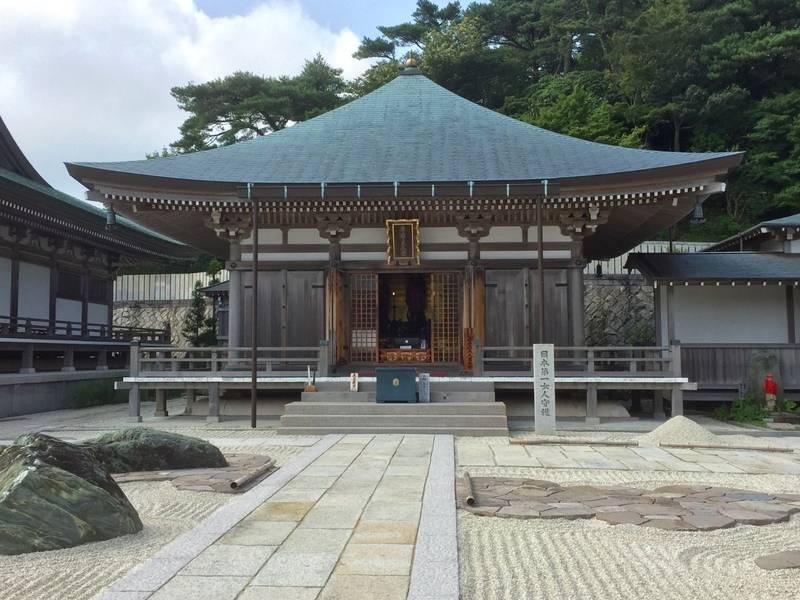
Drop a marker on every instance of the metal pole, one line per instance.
(540, 266)
(254, 315)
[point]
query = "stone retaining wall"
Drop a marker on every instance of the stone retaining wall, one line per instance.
(619, 311)
(156, 315)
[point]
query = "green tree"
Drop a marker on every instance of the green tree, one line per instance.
(198, 328)
(243, 105)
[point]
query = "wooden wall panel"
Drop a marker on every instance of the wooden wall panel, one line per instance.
(270, 296)
(305, 307)
(505, 308)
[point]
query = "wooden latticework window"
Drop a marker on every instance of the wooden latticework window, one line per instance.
(364, 317)
(445, 322)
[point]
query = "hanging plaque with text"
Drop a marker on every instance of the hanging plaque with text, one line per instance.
(403, 241)
(544, 388)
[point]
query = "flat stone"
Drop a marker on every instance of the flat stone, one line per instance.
(407, 512)
(657, 509)
(485, 511)
(294, 570)
(788, 559)
(384, 532)
(520, 511)
(680, 489)
(568, 513)
(620, 518)
(365, 587)
(316, 541)
(750, 517)
(739, 496)
(376, 559)
(709, 521)
(201, 588)
(573, 495)
(260, 592)
(669, 524)
(766, 507)
(281, 511)
(229, 560)
(258, 533)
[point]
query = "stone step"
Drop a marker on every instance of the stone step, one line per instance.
(372, 408)
(464, 431)
(369, 396)
(337, 396)
(347, 420)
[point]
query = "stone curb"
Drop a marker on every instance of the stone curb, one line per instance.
(144, 580)
(437, 537)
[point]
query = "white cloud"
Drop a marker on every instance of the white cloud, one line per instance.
(90, 79)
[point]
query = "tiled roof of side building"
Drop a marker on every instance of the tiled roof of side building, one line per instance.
(409, 130)
(54, 194)
(733, 242)
(716, 266)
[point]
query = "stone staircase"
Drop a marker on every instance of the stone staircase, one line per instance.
(324, 412)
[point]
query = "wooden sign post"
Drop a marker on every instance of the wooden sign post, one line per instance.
(544, 388)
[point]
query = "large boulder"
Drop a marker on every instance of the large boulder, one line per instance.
(142, 449)
(760, 364)
(54, 495)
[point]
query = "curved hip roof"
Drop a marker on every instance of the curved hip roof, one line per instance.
(409, 130)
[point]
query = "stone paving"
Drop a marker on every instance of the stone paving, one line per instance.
(344, 526)
(672, 507)
(481, 452)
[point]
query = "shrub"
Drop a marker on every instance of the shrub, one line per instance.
(96, 392)
(742, 410)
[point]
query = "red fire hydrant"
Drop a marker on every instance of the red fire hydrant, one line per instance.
(770, 391)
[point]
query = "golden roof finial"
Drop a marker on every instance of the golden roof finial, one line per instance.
(411, 62)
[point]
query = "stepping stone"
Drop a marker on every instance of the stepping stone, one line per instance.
(680, 489)
(540, 483)
(750, 517)
(669, 524)
(658, 509)
(709, 521)
(483, 511)
(621, 518)
(766, 506)
(568, 512)
(666, 495)
(788, 559)
(571, 495)
(518, 511)
(740, 496)
(523, 492)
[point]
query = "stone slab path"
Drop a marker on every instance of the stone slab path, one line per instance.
(356, 516)
(672, 507)
(480, 452)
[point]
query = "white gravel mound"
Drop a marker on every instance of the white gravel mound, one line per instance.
(679, 430)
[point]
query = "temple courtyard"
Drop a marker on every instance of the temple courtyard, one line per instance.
(578, 515)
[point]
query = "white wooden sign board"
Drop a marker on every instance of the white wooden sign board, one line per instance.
(544, 388)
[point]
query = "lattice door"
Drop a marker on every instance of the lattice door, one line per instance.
(445, 321)
(364, 317)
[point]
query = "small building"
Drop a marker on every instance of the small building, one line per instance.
(410, 226)
(737, 298)
(58, 259)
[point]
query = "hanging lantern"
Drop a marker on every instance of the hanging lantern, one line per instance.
(697, 214)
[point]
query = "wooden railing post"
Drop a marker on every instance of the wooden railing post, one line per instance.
(677, 392)
(322, 359)
(214, 364)
(590, 361)
(477, 358)
(102, 360)
(592, 414)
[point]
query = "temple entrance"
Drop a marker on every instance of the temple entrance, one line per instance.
(405, 317)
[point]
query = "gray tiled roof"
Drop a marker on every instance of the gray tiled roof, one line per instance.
(754, 232)
(711, 266)
(409, 130)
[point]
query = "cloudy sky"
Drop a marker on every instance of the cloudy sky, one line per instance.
(90, 79)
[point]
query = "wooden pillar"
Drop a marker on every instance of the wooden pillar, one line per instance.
(790, 316)
(540, 270)
(27, 359)
(161, 403)
(69, 360)
(84, 303)
(191, 398)
(134, 396)
(213, 403)
(576, 311)
(102, 360)
(52, 301)
(677, 393)
(235, 300)
(14, 299)
(592, 414)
